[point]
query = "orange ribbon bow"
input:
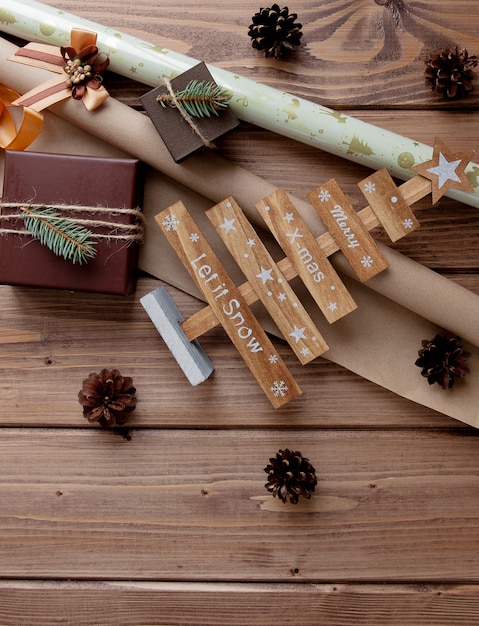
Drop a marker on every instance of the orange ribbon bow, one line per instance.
(30, 126)
(79, 66)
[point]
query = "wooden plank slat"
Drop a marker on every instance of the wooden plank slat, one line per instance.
(389, 205)
(306, 255)
(348, 230)
(267, 280)
(228, 305)
(190, 505)
(108, 603)
(72, 342)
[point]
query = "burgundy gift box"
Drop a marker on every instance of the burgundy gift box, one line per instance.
(41, 178)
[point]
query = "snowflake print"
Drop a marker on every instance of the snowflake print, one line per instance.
(279, 388)
(171, 222)
(369, 187)
(273, 358)
(366, 261)
(407, 223)
(194, 237)
(324, 195)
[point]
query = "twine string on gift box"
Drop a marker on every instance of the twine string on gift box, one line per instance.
(186, 116)
(78, 245)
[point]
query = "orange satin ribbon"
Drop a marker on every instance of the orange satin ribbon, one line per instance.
(30, 126)
(50, 58)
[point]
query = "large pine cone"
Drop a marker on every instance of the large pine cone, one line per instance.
(107, 398)
(442, 360)
(450, 72)
(290, 475)
(275, 31)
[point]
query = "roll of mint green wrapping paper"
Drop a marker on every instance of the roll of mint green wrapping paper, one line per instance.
(253, 102)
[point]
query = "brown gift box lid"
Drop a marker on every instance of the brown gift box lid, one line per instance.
(42, 178)
(180, 139)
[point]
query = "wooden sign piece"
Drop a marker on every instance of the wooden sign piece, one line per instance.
(445, 170)
(348, 230)
(228, 305)
(306, 255)
(388, 204)
(272, 288)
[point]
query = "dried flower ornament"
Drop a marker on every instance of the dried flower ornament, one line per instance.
(442, 360)
(450, 72)
(83, 68)
(107, 398)
(290, 475)
(275, 31)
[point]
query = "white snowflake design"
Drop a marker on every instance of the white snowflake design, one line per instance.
(273, 358)
(407, 223)
(171, 222)
(324, 195)
(369, 187)
(194, 237)
(279, 388)
(366, 261)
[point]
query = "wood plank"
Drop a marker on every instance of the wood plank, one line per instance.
(348, 230)
(389, 205)
(267, 280)
(306, 256)
(190, 505)
(228, 305)
(40, 380)
(384, 41)
(108, 603)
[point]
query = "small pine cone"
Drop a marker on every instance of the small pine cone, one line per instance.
(450, 72)
(442, 360)
(275, 31)
(107, 398)
(290, 475)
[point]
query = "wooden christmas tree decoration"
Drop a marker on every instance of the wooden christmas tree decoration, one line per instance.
(306, 256)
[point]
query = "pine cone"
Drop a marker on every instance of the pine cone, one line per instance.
(290, 475)
(107, 398)
(450, 72)
(275, 31)
(442, 360)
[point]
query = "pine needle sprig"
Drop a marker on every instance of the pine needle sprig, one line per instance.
(199, 98)
(61, 235)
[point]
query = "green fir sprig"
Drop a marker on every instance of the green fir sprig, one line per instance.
(61, 235)
(199, 98)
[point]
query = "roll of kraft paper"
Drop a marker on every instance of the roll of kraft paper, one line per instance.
(253, 102)
(378, 341)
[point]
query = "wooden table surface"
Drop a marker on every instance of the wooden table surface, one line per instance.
(173, 525)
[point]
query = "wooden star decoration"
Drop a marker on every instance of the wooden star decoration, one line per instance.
(445, 170)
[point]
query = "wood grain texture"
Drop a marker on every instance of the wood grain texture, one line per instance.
(343, 42)
(169, 522)
(188, 505)
(216, 604)
(269, 283)
(306, 256)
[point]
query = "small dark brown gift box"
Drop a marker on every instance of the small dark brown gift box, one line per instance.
(41, 178)
(180, 139)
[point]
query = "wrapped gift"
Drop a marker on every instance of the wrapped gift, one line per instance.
(181, 138)
(104, 194)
